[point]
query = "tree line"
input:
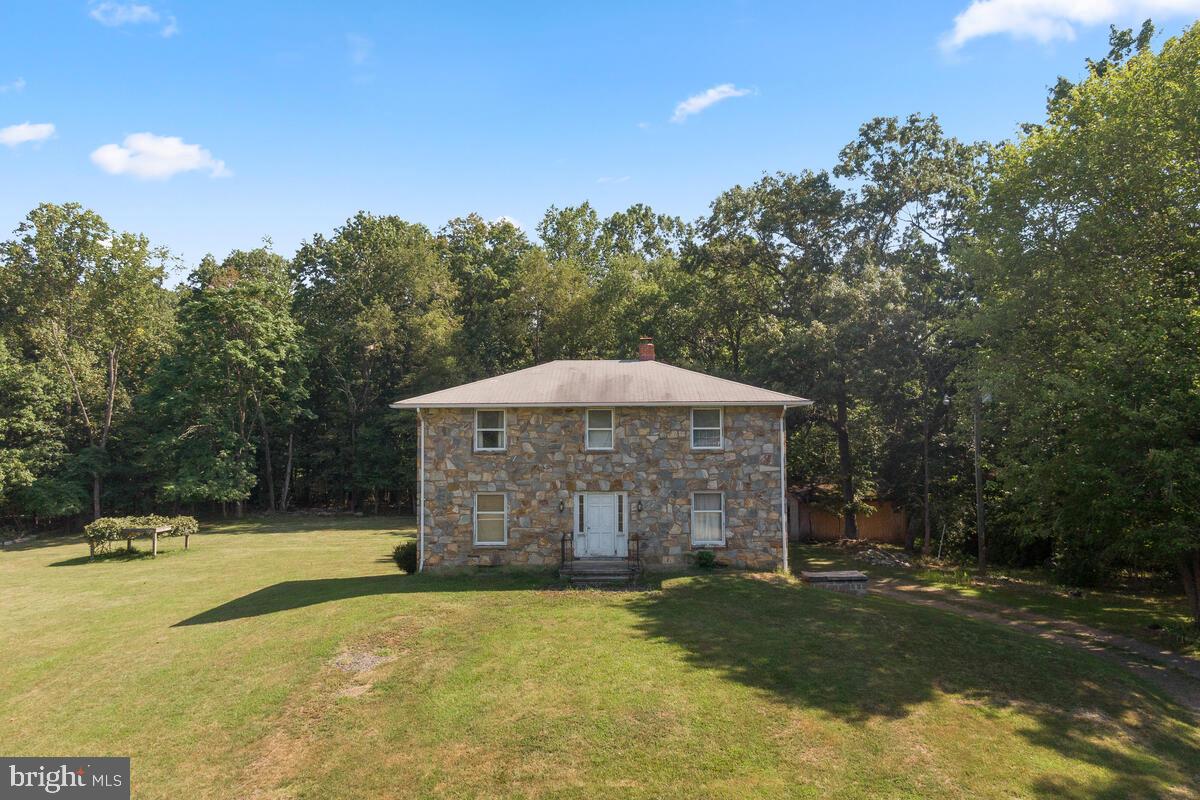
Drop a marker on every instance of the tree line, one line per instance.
(1045, 288)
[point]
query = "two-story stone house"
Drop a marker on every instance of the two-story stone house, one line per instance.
(623, 457)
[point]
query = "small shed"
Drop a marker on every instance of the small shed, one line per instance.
(810, 522)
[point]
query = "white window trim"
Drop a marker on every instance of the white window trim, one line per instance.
(503, 432)
(475, 520)
(720, 427)
(587, 428)
(706, 543)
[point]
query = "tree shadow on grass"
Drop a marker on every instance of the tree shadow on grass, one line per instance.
(866, 658)
(288, 595)
(136, 554)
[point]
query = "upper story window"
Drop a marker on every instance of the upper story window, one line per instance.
(600, 424)
(706, 428)
(490, 430)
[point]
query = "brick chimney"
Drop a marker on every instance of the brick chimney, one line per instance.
(646, 349)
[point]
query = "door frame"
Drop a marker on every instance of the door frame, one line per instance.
(620, 521)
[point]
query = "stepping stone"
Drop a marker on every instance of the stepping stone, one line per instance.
(848, 581)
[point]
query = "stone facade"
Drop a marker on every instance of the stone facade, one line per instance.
(546, 463)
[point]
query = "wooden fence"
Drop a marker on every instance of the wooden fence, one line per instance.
(809, 523)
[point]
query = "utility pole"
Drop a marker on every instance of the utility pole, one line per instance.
(979, 528)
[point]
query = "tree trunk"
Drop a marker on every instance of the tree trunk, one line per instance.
(927, 544)
(262, 426)
(1189, 571)
(95, 495)
(237, 509)
(979, 524)
(109, 404)
(287, 476)
(850, 523)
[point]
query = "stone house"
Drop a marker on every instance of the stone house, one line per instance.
(631, 461)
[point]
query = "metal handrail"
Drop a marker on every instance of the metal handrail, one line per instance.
(569, 536)
(634, 552)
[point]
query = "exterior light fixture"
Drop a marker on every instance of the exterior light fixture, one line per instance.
(639, 506)
(561, 506)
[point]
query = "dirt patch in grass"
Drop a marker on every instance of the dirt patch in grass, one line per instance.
(299, 730)
(360, 661)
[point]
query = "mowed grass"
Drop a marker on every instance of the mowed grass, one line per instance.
(1154, 617)
(289, 658)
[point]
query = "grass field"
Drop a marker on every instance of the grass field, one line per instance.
(290, 659)
(1158, 618)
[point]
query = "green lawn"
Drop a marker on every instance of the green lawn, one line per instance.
(220, 670)
(1160, 619)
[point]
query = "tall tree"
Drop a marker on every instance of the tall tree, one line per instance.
(376, 302)
(484, 260)
(803, 253)
(237, 374)
(89, 302)
(918, 189)
(1086, 264)
(31, 441)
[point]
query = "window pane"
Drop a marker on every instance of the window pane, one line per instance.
(706, 438)
(489, 502)
(490, 419)
(600, 439)
(491, 439)
(708, 501)
(600, 419)
(706, 418)
(490, 529)
(707, 527)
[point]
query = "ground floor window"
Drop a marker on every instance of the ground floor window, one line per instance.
(708, 518)
(491, 519)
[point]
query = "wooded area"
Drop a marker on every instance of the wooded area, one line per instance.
(1049, 283)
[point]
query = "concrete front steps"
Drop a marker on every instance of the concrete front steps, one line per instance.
(599, 572)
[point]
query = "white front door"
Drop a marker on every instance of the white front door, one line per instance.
(599, 525)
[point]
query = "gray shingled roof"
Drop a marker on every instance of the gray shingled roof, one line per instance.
(601, 383)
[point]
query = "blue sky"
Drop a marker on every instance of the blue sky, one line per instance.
(290, 117)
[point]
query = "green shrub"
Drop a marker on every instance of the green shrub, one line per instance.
(183, 526)
(706, 559)
(103, 532)
(406, 557)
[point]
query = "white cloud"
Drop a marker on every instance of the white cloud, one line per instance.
(13, 86)
(643, 125)
(1047, 20)
(14, 135)
(698, 102)
(115, 15)
(511, 221)
(145, 155)
(612, 179)
(360, 48)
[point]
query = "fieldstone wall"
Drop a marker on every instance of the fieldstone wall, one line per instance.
(546, 462)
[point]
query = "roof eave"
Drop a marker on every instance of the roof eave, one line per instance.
(796, 402)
